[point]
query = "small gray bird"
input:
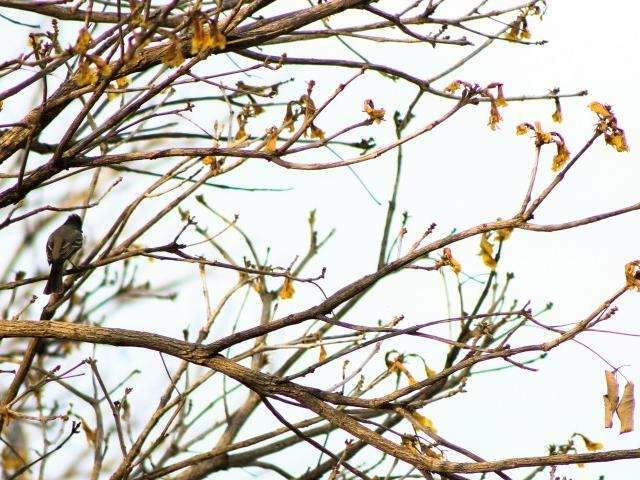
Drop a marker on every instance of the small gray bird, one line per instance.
(62, 244)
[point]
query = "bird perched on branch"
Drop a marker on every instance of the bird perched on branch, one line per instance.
(61, 245)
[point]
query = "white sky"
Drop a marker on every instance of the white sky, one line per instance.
(459, 175)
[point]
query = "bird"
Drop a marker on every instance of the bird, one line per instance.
(61, 245)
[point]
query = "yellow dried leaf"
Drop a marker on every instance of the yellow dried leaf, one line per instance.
(89, 433)
(494, 116)
(504, 233)
(103, 67)
(287, 290)
(424, 421)
(453, 87)
(455, 266)
(513, 33)
(83, 41)
(560, 158)
(430, 372)
(611, 398)
(486, 252)
(288, 120)
(316, 132)
(617, 140)
(600, 109)
(589, 444)
(241, 134)
(86, 74)
(522, 129)
(172, 56)
(122, 82)
(11, 461)
(270, 140)
(500, 101)
(557, 114)
(375, 114)
(258, 284)
(626, 409)
(447, 259)
(201, 38)
(631, 273)
(397, 366)
(542, 137)
(323, 354)
(219, 41)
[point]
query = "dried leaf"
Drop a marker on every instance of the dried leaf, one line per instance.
(561, 157)
(122, 82)
(557, 114)
(397, 366)
(610, 399)
(258, 284)
(89, 433)
(626, 409)
(323, 354)
(375, 114)
(602, 110)
(424, 421)
(316, 132)
(103, 67)
(494, 115)
(542, 137)
(500, 101)
(589, 444)
(632, 275)
(288, 120)
(83, 41)
(617, 140)
(201, 38)
(219, 41)
(287, 290)
(504, 234)
(453, 87)
(447, 259)
(486, 252)
(11, 461)
(241, 134)
(172, 56)
(270, 140)
(522, 129)
(86, 74)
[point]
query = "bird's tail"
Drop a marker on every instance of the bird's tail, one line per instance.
(54, 284)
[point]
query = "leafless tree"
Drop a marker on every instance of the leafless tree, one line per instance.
(117, 134)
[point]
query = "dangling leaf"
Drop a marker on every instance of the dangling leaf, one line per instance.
(486, 252)
(424, 421)
(83, 41)
(589, 444)
(626, 409)
(375, 114)
(600, 109)
(270, 140)
(322, 354)
(610, 399)
(632, 275)
(287, 290)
